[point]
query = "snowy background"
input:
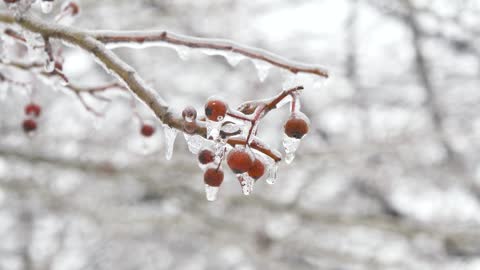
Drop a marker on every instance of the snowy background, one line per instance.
(389, 177)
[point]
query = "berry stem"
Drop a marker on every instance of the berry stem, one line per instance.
(257, 145)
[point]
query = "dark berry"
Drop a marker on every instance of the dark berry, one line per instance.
(213, 177)
(239, 160)
(257, 170)
(206, 156)
(215, 110)
(147, 130)
(29, 125)
(296, 127)
(33, 109)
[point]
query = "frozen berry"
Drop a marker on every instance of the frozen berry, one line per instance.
(206, 156)
(213, 177)
(215, 110)
(147, 130)
(239, 160)
(29, 125)
(10, 1)
(257, 170)
(33, 109)
(189, 114)
(297, 126)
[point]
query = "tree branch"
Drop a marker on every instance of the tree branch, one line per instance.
(95, 42)
(121, 38)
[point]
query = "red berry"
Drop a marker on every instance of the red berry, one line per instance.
(10, 1)
(147, 130)
(213, 177)
(29, 125)
(257, 170)
(239, 160)
(73, 7)
(33, 109)
(206, 156)
(189, 114)
(296, 126)
(215, 110)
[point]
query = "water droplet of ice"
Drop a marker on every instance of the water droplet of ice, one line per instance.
(170, 135)
(246, 182)
(290, 145)
(211, 192)
(272, 174)
(46, 6)
(262, 69)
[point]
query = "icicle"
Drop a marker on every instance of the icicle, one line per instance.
(170, 135)
(246, 182)
(290, 145)
(46, 6)
(272, 174)
(233, 58)
(183, 52)
(211, 192)
(262, 69)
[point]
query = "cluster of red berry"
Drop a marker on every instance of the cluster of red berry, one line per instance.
(246, 163)
(32, 111)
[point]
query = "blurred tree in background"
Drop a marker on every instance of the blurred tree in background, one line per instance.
(388, 178)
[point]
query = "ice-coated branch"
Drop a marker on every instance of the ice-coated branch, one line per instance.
(95, 42)
(149, 38)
